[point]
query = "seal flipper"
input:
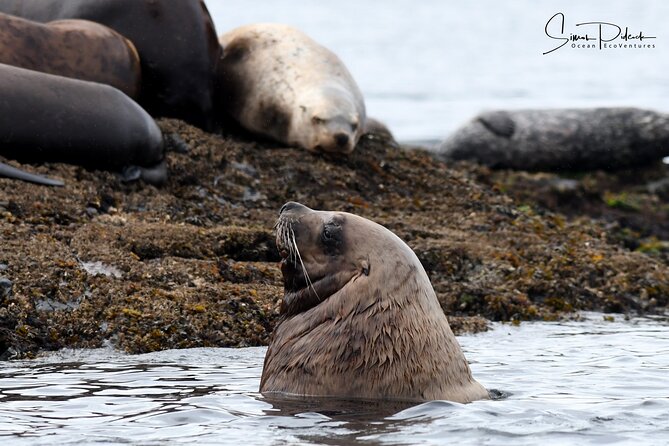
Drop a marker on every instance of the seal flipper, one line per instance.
(17, 174)
(498, 122)
(155, 175)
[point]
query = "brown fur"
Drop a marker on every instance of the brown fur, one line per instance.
(370, 326)
(77, 49)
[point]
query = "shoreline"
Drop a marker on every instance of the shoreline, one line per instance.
(193, 264)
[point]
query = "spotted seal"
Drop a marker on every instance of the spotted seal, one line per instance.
(561, 139)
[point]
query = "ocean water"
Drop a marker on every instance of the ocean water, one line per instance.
(583, 383)
(426, 67)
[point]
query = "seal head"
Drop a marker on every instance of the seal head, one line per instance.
(328, 121)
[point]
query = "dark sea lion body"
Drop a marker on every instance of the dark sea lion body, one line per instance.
(562, 139)
(360, 318)
(78, 49)
(47, 118)
(176, 41)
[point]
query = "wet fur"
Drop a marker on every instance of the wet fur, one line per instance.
(367, 325)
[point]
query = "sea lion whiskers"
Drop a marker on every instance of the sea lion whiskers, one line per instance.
(283, 240)
(286, 237)
(304, 269)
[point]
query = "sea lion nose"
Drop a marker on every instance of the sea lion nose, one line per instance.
(341, 139)
(291, 205)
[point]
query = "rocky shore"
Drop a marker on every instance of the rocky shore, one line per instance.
(193, 263)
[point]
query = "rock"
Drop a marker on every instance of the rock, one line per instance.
(5, 288)
(199, 264)
(659, 188)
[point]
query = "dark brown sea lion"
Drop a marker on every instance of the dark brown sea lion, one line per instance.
(277, 82)
(47, 118)
(359, 317)
(176, 41)
(72, 48)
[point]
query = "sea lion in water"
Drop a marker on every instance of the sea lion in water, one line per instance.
(176, 41)
(561, 139)
(72, 48)
(359, 316)
(47, 118)
(277, 82)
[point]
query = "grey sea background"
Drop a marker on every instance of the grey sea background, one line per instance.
(425, 67)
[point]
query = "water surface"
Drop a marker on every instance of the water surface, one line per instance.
(593, 382)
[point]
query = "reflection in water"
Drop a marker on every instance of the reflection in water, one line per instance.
(577, 382)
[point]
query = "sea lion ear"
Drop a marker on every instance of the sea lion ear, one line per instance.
(365, 267)
(498, 122)
(304, 109)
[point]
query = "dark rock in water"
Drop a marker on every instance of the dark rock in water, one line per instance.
(562, 139)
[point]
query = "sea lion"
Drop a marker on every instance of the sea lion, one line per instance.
(72, 48)
(359, 316)
(176, 41)
(48, 118)
(561, 139)
(277, 82)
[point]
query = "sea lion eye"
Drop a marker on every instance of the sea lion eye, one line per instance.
(354, 126)
(330, 234)
(316, 120)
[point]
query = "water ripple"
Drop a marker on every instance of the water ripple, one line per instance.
(593, 382)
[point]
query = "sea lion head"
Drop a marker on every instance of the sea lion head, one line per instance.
(329, 120)
(325, 252)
